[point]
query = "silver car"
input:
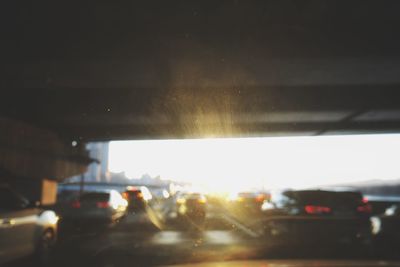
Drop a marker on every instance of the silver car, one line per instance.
(25, 229)
(95, 208)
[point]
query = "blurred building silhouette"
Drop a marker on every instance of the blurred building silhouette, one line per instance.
(97, 170)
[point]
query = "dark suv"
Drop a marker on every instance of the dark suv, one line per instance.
(138, 198)
(308, 216)
(191, 209)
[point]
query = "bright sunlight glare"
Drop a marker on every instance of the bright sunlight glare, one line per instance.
(269, 162)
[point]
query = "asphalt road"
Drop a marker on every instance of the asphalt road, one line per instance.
(154, 238)
(149, 238)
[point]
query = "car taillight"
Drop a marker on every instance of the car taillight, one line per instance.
(76, 204)
(365, 207)
(312, 209)
(103, 204)
(260, 198)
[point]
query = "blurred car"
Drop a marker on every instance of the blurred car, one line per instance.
(25, 228)
(301, 217)
(137, 197)
(249, 201)
(94, 209)
(191, 208)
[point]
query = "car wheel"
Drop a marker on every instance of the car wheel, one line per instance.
(45, 247)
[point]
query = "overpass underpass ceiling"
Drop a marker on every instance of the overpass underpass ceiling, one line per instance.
(233, 68)
(107, 114)
(223, 125)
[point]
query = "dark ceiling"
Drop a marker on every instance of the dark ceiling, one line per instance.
(102, 70)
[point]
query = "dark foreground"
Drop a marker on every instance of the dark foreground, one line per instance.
(150, 238)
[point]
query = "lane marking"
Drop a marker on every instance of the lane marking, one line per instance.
(240, 226)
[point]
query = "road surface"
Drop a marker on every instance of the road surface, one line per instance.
(154, 238)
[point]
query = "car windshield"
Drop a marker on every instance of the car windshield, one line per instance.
(184, 132)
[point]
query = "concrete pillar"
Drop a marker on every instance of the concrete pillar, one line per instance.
(48, 192)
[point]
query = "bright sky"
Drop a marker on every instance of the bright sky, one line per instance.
(273, 162)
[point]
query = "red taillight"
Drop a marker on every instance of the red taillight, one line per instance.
(365, 207)
(103, 205)
(260, 198)
(312, 209)
(76, 204)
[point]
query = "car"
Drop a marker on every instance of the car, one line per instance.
(95, 209)
(191, 209)
(26, 229)
(247, 201)
(137, 197)
(314, 216)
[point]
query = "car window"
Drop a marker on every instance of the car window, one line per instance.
(95, 197)
(325, 198)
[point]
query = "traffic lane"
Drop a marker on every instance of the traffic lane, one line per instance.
(137, 233)
(251, 223)
(138, 241)
(138, 237)
(174, 247)
(171, 247)
(141, 229)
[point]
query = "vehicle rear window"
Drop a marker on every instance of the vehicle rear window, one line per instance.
(192, 196)
(133, 192)
(325, 197)
(95, 197)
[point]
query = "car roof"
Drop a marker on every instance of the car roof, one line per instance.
(322, 191)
